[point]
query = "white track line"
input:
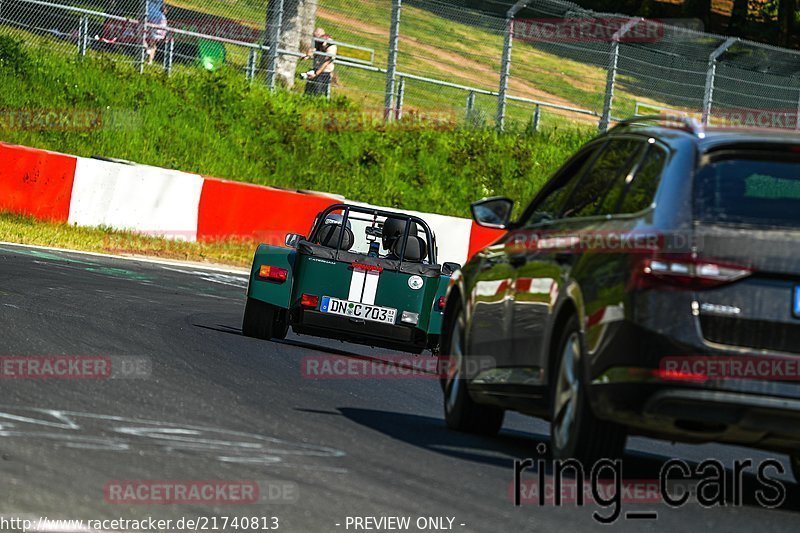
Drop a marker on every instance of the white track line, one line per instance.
(138, 258)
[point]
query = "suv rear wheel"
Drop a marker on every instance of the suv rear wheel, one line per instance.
(795, 460)
(460, 411)
(264, 321)
(575, 431)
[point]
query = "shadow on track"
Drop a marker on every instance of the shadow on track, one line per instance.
(431, 434)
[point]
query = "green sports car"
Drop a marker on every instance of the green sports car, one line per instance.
(362, 275)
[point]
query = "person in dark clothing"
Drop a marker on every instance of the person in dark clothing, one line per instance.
(324, 54)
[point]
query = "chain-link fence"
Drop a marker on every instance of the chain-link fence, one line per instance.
(670, 66)
(526, 64)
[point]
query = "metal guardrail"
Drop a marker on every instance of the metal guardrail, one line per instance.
(471, 91)
(370, 51)
(74, 9)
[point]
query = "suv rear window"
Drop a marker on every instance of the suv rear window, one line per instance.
(760, 190)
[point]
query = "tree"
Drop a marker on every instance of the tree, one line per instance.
(739, 15)
(700, 9)
(297, 26)
(786, 14)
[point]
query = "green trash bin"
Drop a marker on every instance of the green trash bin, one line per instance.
(211, 54)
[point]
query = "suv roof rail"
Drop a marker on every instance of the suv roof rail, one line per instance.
(686, 123)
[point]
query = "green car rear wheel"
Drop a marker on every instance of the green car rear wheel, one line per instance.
(264, 321)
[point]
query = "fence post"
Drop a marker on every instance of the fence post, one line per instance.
(143, 27)
(83, 35)
(537, 115)
(611, 78)
(391, 65)
(505, 68)
(272, 57)
(470, 105)
(505, 63)
(797, 115)
(169, 55)
(401, 96)
(250, 72)
(708, 93)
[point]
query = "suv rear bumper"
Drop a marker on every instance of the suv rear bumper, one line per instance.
(753, 413)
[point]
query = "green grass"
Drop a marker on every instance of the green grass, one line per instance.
(217, 124)
(26, 230)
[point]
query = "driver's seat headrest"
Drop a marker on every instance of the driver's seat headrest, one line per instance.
(329, 236)
(394, 228)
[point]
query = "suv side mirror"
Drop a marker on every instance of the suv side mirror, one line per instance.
(449, 268)
(293, 238)
(493, 212)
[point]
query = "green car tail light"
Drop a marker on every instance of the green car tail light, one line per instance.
(273, 273)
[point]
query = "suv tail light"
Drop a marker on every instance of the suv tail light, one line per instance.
(273, 273)
(684, 272)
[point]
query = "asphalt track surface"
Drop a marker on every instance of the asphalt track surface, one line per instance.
(219, 406)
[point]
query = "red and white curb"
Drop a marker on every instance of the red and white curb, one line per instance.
(180, 205)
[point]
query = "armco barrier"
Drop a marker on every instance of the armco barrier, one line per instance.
(232, 208)
(145, 199)
(180, 205)
(36, 182)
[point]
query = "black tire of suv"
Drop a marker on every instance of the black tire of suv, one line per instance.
(260, 320)
(794, 459)
(465, 414)
(589, 438)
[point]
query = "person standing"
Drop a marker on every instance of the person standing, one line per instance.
(157, 35)
(324, 55)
